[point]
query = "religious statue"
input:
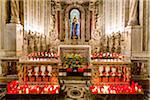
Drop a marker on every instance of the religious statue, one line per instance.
(14, 11)
(75, 27)
(133, 17)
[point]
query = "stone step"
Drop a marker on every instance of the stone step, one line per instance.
(74, 82)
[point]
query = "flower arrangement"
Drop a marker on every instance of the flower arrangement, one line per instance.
(72, 60)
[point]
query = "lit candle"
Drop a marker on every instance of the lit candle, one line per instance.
(27, 91)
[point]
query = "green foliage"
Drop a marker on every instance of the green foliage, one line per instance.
(72, 60)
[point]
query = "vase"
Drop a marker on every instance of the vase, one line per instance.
(43, 68)
(36, 71)
(29, 72)
(107, 69)
(119, 71)
(49, 69)
(113, 69)
(101, 69)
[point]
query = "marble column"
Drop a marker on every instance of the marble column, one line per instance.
(58, 21)
(91, 20)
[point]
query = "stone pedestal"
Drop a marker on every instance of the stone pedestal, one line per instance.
(136, 38)
(13, 39)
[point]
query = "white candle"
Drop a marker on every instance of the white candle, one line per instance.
(27, 90)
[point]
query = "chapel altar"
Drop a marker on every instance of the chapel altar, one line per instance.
(74, 70)
(74, 49)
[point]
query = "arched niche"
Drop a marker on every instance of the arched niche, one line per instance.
(82, 21)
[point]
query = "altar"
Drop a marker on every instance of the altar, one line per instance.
(75, 60)
(73, 70)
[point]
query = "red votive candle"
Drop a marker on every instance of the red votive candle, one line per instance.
(111, 79)
(105, 79)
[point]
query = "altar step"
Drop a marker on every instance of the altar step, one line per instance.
(74, 82)
(82, 78)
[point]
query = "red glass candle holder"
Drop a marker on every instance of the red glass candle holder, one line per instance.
(117, 79)
(111, 79)
(95, 81)
(26, 79)
(38, 79)
(32, 79)
(105, 79)
(100, 79)
(45, 79)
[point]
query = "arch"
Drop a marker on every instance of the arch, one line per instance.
(82, 21)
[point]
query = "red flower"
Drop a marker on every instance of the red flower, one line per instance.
(69, 70)
(92, 87)
(80, 70)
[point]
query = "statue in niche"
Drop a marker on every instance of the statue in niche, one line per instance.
(133, 16)
(75, 28)
(14, 11)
